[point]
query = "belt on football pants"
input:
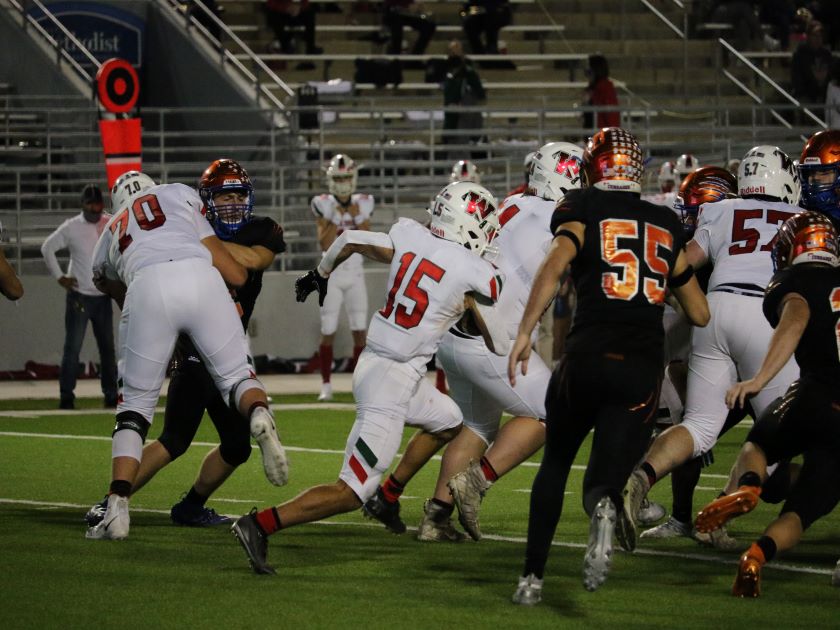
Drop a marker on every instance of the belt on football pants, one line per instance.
(461, 334)
(750, 290)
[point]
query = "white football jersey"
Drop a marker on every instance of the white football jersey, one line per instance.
(426, 285)
(163, 223)
(737, 235)
(328, 207)
(522, 244)
(666, 199)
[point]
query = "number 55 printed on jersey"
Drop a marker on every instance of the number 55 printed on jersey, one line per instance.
(425, 269)
(622, 246)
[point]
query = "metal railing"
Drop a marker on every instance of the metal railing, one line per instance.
(28, 21)
(251, 76)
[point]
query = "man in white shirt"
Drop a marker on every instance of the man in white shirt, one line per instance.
(84, 301)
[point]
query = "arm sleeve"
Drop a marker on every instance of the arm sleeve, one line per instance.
(780, 285)
(54, 242)
(568, 211)
(352, 237)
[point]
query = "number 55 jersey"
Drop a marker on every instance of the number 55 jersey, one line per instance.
(630, 247)
(426, 285)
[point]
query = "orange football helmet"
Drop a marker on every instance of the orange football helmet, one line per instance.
(225, 176)
(819, 173)
(613, 160)
(808, 237)
(705, 185)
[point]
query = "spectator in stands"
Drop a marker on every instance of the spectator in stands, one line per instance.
(10, 284)
(832, 98)
(485, 18)
(600, 92)
(810, 67)
(84, 301)
(399, 13)
(462, 86)
(283, 15)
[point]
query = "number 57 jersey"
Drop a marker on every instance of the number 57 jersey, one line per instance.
(737, 235)
(162, 223)
(426, 285)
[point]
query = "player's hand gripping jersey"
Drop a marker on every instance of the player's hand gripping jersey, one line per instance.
(168, 220)
(345, 217)
(737, 235)
(427, 282)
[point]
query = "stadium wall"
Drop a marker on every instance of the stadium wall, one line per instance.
(33, 328)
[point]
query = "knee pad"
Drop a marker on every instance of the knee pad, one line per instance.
(235, 454)
(129, 434)
(240, 388)
(132, 421)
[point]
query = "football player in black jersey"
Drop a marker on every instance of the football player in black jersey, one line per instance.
(802, 303)
(624, 254)
(228, 196)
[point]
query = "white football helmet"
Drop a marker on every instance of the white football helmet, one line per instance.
(342, 175)
(667, 177)
(465, 171)
(768, 171)
(127, 185)
(684, 165)
(555, 170)
(465, 213)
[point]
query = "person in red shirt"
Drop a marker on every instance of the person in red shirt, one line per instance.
(599, 92)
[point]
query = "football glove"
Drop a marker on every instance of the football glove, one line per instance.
(309, 282)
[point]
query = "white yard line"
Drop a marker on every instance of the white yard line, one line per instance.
(35, 413)
(507, 539)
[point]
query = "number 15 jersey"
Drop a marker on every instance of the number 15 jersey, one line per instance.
(737, 235)
(163, 223)
(426, 285)
(621, 273)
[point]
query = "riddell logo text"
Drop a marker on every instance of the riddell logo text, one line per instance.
(753, 190)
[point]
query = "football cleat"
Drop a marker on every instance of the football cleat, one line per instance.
(835, 577)
(672, 528)
(723, 509)
(275, 464)
(253, 541)
(748, 579)
(633, 494)
(191, 515)
(598, 558)
(650, 512)
(96, 513)
(326, 394)
(718, 539)
(115, 522)
(468, 489)
(387, 513)
(437, 526)
(528, 591)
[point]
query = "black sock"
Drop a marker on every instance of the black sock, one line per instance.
(445, 508)
(683, 481)
(194, 498)
(750, 478)
(120, 487)
(650, 472)
(768, 546)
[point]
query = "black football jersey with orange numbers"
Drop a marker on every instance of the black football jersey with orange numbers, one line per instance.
(818, 352)
(630, 247)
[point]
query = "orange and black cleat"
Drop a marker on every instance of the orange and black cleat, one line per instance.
(748, 579)
(723, 509)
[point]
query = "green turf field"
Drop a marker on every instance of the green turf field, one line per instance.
(349, 572)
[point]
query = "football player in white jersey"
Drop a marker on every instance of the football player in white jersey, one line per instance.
(737, 235)
(160, 258)
(340, 210)
(476, 376)
(666, 179)
(436, 273)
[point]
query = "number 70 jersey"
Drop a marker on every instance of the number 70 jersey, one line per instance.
(738, 235)
(426, 285)
(163, 223)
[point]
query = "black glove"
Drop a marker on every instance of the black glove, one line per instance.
(309, 282)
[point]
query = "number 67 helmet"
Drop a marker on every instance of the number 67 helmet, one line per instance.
(127, 185)
(767, 171)
(465, 213)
